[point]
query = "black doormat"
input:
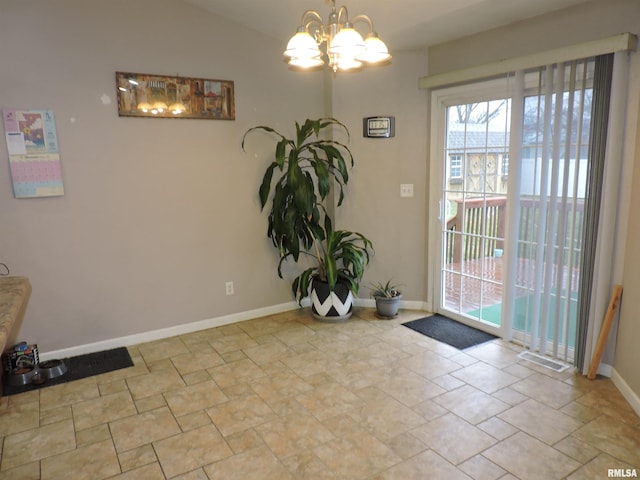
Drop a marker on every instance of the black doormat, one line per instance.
(79, 367)
(449, 331)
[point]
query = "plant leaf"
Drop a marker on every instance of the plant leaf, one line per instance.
(265, 186)
(280, 152)
(307, 129)
(300, 285)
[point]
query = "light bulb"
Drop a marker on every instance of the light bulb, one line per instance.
(306, 62)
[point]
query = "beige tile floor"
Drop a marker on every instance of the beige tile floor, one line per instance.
(286, 397)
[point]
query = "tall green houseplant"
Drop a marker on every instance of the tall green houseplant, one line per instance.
(296, 185)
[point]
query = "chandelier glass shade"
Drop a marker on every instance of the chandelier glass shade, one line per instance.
(336, 42)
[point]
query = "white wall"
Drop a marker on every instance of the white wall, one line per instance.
(571, 26)
(158, 213)
(395, 225)
(627, 352)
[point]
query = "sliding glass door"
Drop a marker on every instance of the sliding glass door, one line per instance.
(474, 184)
(511, 189)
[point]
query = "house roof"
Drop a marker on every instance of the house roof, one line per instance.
(477, 141)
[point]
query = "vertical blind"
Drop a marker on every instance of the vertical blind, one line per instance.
(597, 149)
(549, 196)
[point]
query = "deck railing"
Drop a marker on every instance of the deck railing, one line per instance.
(567, 219)
(482, 220)
(477, 229)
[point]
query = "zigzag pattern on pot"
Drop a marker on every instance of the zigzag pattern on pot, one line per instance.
(323, 307)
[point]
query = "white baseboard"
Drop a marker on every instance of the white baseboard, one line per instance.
(406, 304)
(167, 332)
(415, 305)
(626, 391)
(196, 326)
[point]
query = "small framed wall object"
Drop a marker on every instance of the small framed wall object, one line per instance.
(379, 127)
(34, 158)
(161, 96)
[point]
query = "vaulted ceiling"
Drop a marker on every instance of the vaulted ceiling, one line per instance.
(402, 24)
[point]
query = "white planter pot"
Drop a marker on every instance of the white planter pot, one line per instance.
(330, 305)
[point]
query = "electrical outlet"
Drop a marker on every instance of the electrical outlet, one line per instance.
(406, 190)
(228, 288)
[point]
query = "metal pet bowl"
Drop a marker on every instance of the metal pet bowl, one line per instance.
(21, 376)
(52, 369)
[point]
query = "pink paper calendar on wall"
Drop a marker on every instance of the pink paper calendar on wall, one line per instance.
(34, 159)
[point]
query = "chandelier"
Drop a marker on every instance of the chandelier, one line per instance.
(344, 48)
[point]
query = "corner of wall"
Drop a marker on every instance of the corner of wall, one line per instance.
(630, 396)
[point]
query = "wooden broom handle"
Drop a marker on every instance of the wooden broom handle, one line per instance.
(604, 331)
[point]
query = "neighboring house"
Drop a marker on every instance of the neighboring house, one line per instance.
(477, 160)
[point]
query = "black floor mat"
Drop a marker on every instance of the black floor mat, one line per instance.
(449, 331)
(79, 367)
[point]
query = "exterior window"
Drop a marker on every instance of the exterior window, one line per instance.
(505, 164)
(455, 167)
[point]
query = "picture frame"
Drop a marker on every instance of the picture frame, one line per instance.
(162, 96)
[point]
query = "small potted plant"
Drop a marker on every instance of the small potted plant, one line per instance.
(387, 298)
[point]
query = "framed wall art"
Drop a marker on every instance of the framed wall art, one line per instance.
(161, 96)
